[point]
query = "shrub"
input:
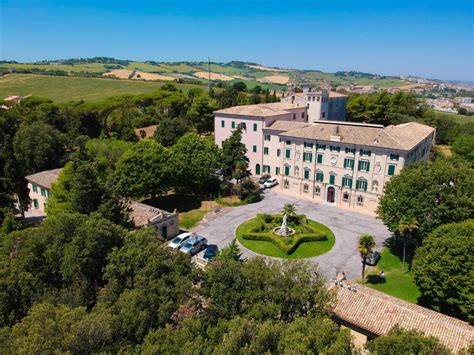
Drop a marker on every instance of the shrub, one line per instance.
(287, 245)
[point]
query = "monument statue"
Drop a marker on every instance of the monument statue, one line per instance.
(284, 224)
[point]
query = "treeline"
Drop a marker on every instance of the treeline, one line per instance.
(387, 109)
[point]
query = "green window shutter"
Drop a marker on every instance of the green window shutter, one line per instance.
(287, 170)
(357, 184)
(288, 153)
(35, 203)
(278, 152)
(360, 165)
(391, 170)
(370, 153)
(265, 150)
(331, 179)
(320, 158)
(222, 123)
(306, 174)
(350, 183)
(255, 127)
(365, 185)
(368, 166)
(345, 163)
(233, 124)
(254, 149)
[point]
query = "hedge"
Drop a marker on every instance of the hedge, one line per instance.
(287, 244)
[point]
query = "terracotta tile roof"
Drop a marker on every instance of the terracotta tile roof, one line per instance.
(336, 94)
(286, 125)
(44, 178)
(260, 110)
(403, 137)
(149, 131)
(142, 214)
(378, 312)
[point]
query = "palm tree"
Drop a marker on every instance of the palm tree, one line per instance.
(365, 246)
(406, 227)
(289, 209)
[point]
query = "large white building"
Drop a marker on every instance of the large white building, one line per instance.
(340, 163)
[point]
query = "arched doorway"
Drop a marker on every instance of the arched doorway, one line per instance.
(164, 232)
(331, 195)
(257, 169)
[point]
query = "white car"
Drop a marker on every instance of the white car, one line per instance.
(270, 183)
(179, 241)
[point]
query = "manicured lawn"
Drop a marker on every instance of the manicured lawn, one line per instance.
(397, 284)
(64, 88)
(305, 250)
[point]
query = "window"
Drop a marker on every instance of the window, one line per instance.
(361, 184)
(288, 142)
(320, 158)
(332, 179)
(35, 187)
(365, 152)
(307, 157)
(317, 98)
(254, 149)
(334, 148)
(288, 153)
(317, 190)
(267, 169)
(233, 124)
(286, 184)
(345, 196)
(305, 188)
(324, 114)
(391, 169)
(360, 200)
(268, 137)
(243, 125)
(319, 176)
(302, 114)
(277, 170)
(375, 186)
(35, 203)
(294, 116)
(255, 127)
(222, 123)
(308, 145)
(278, 152)
(364, 165)
(349, 163)
(287, 170)
(394, 157)
(347, 181)
(43, 192)
(321, 146)
(350, 150)
(265, 150)
(297, 171)
(306, 174)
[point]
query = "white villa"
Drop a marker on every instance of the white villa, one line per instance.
(340, 163)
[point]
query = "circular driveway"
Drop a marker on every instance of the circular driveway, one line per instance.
(346, 226)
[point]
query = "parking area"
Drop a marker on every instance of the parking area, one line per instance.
(346, 225)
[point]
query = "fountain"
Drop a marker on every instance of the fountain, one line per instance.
(284, 230)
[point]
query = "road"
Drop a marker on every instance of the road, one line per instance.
(346, 226)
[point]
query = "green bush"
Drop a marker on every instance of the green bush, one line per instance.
(287, 244)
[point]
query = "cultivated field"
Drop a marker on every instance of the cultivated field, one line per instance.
(275, 79)
(214, 76)
(138, 75)
(261, 67)
(63, 88)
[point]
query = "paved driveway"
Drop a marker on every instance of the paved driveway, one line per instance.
(346, 225)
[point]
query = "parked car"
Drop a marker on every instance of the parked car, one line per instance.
(270, 183)
(264, 178)
(179, 240)
(373, 259)
(194, 245)
(211, 252)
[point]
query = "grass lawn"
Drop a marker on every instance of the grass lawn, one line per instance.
(458, 118)
(305, 250)
(397, 284)
(64, 88)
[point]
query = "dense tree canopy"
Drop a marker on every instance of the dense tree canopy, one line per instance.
(400, 341)
(433, 193)
(443, 267)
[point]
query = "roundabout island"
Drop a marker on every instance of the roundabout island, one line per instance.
(287, 235)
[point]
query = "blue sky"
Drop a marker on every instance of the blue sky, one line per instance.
(428, 38)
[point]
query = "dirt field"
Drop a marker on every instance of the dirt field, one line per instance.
(275, 79)
(214, 76)
(261, 67)
(139, 75)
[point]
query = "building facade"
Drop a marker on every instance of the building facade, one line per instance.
(39, 185)
(340, 163)
(322, 105)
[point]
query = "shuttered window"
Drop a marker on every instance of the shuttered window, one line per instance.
(320, 158)
(391, 169)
